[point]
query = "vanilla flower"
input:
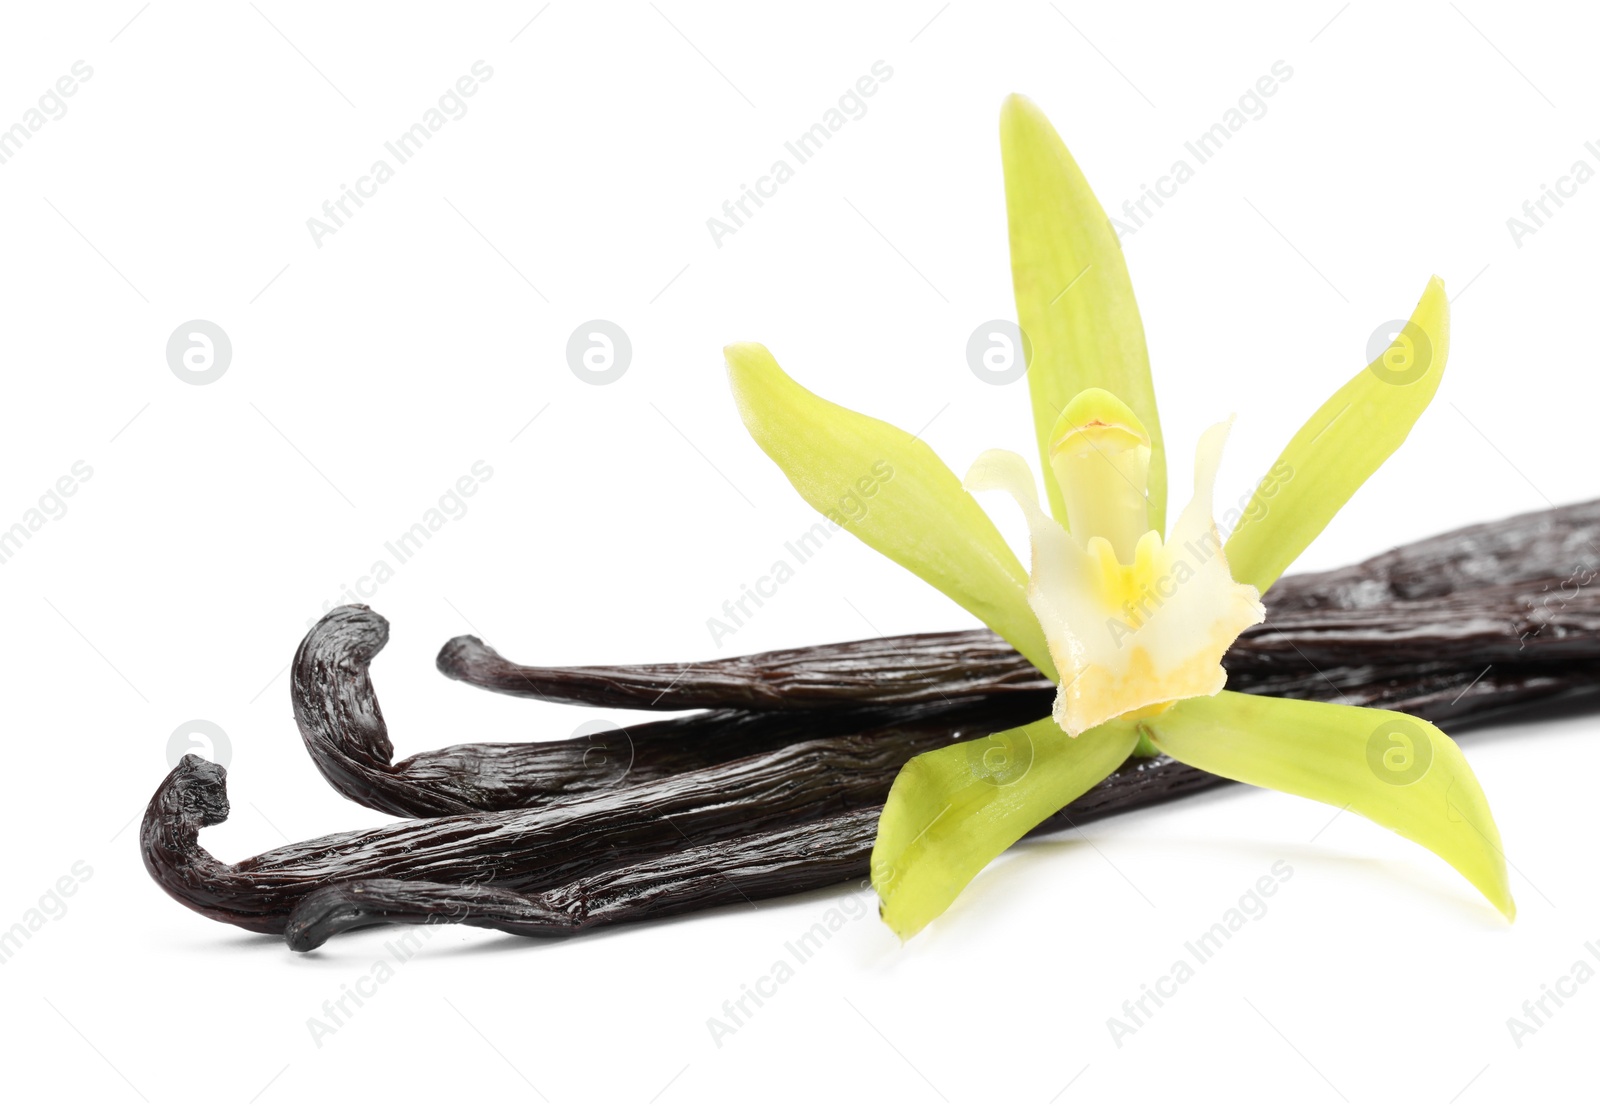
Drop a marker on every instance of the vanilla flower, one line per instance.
(1130, 618)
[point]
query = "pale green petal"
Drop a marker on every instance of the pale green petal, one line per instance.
(889, 489)
(952, 811)
(1341, 445)
(1074, 299)
(1399, 771)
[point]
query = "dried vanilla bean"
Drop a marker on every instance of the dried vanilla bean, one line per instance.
(784, 860)
(1560, 544)
(532, 849)
(832, 849)
(342, 724)
(668, 846)
(1513, 590)
(343, 727)
(741, 870)
(1534, 622)
(914, 668)
(797, 814)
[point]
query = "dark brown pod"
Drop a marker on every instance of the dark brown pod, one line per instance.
(1501, 592)
(671, 845)
(743, 803)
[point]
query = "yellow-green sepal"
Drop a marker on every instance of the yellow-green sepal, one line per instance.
(1401, 772)
(1341, 445)
(953, 810)
(889, 489)
(1074, 298)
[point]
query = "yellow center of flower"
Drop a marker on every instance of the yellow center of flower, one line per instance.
(1133, 622)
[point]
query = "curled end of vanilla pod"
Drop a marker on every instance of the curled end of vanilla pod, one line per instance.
(337, 712)
(194, 795)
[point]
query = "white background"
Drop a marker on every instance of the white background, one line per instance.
(372, 371)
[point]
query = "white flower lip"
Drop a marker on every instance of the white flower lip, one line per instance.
(1136, 628)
